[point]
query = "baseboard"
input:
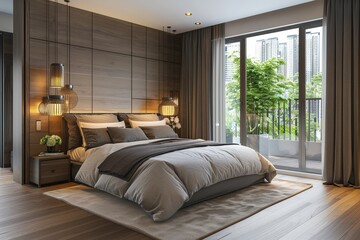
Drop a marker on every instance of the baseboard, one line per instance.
(300, 174)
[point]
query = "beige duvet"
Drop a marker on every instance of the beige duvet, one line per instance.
(163, 183)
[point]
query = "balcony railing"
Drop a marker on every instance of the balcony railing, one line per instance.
(283, 121)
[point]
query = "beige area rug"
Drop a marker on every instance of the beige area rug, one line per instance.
(193, 222)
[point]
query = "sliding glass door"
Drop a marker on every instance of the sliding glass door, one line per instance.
(232, 92)
(273, 95)
(313, 98)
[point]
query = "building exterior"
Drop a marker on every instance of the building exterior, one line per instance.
(312, 54)
(233, 48)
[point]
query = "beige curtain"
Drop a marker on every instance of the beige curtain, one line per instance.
(218, 83)
(342, 133)
(195, 85)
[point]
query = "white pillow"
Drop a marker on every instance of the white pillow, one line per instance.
(97, 125)
(135, 124)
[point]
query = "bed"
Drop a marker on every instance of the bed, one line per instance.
(166, 182)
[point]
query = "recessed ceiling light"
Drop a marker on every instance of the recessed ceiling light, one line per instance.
(198, 23)
(188, 14)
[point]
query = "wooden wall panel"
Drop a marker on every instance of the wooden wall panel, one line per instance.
(138, 40)
(37, 89)
(112, 82)
(168, 47)
(7, 98)
(57, 23)
(138, 77)
(176, 77)
(37, 19)
(161, 79)
(152, 79)
(81, 77)
(115, 66)
(152, 106)
(111, 34)
(166, 79)
(152, 43)
(177, 48)
(138, 106)
(80, 28)
(161, 44)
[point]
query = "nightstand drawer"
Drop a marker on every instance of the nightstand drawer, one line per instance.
(54, 171)
(49, 169)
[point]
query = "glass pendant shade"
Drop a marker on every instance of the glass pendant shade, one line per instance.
(56, 75)
(43, 106)
(55, 105)
(70, 96)
(167, 107)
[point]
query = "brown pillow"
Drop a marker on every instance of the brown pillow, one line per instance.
(143, 117)
(75, 138)
(125, 117)
(155, 132)
(95, 137)
(119, 135)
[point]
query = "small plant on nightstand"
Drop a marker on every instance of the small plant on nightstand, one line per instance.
(173, 122)
(51, 142)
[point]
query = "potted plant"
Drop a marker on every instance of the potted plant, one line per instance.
(173, 122)
(51, 142)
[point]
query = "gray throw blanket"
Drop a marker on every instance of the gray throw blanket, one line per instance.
(124, 162)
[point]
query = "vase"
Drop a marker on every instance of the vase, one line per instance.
(51, 149)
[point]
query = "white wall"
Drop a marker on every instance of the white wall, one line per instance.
(279, 18)
(6, 22)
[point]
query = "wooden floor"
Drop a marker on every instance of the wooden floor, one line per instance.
(323, 212)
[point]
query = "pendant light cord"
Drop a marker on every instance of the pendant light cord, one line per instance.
(56, 37)
(56, 31)
(47, 46)
(68, 35)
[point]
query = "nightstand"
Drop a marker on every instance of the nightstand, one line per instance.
(49, 169)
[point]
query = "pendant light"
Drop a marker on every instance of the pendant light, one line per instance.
(70, 96)
(56, 75)
(43, 106)
(56, 69)
(53, 105)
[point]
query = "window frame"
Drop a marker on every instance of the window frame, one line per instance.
(302, 83)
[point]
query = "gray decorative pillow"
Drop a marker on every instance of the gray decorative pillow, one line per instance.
(75, 138)
(154, 132)
(119, 135)
(95, 137)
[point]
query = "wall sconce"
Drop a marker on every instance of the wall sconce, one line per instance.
(70, 96)
(56, 75)
(167, 107)
(52, 105)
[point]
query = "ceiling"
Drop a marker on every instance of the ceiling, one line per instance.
(162, 13)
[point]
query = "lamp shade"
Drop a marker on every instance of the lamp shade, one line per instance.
(56, 75)
(167, 107)
(43, 106)
(70, 96)
(55, 105)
